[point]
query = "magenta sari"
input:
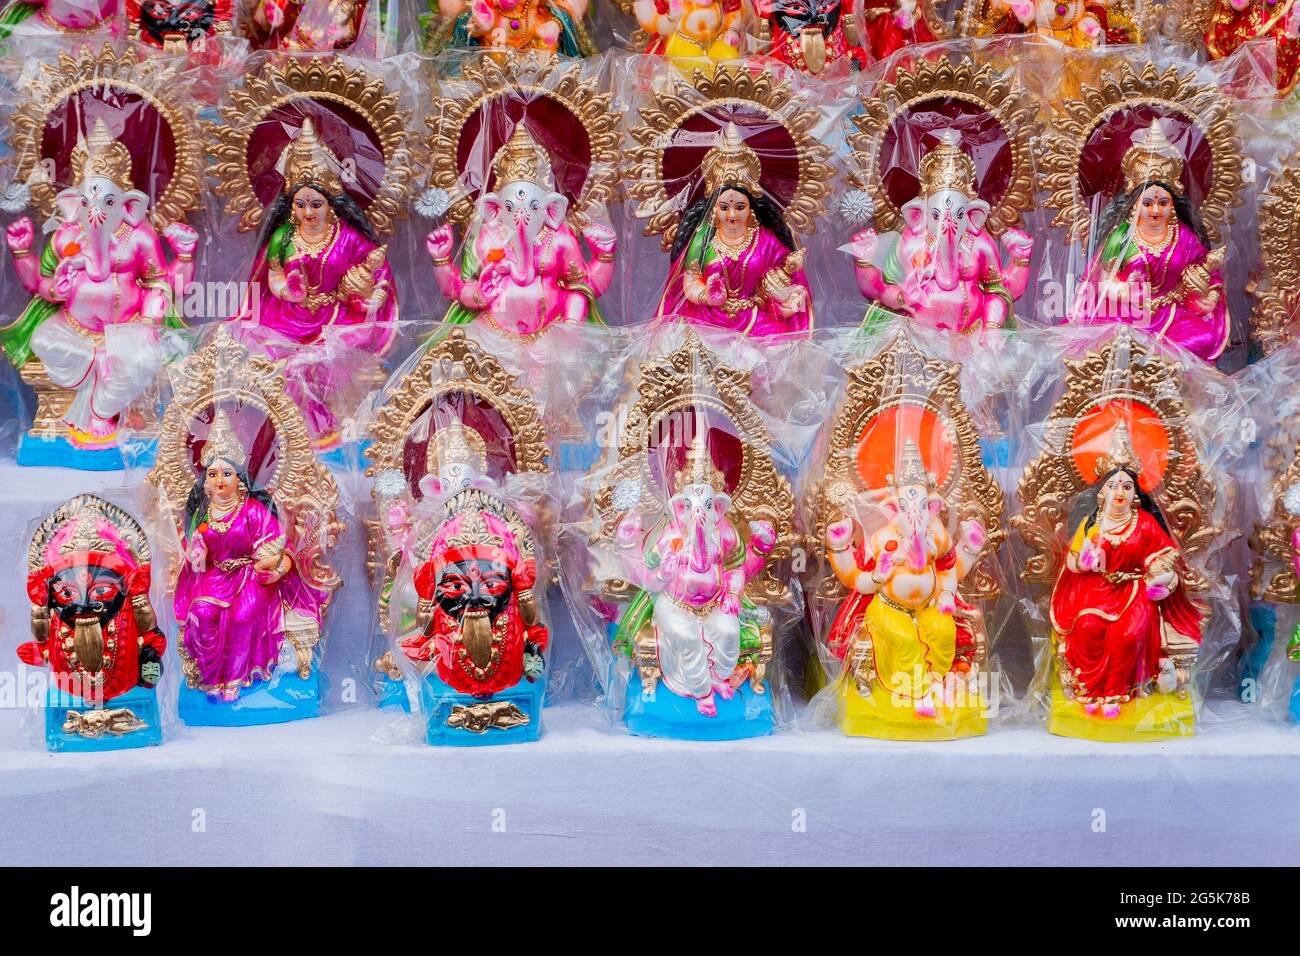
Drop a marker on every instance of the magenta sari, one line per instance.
(339, 332)
(743, 278)
(1125, 283)
(232, 625)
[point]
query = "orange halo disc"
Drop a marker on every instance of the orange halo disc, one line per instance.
(1150, 438)
(885, 434)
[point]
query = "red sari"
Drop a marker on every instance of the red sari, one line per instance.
(1109, 631)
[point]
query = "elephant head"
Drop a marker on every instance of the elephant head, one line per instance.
(699, 512)
(912, 506)
(104, 198)
(523, 203)
(948, 207)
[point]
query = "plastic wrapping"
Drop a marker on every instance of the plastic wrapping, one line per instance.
(728, 170)
(525, 155)
(84, 21)
(96, 638)
(1266, 672)
(1150, 163)
(693, 34)
(312, 155)
(108, 159)
(822, 37)
(249, 518)
(461, 461)
(1076, 23)
(944, 173)
(175, 25)
(677, 563)
(907, 520)
(1126, 512)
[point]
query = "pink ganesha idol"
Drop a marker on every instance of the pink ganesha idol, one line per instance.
(101, 289)
(523, 266)
(944, 269)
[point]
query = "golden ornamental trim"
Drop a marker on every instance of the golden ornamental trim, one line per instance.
(321, 78)
(1172, 90)
(663, 116)
(153, 80)
(304, 490)
(960, 79)
(902, 375)
(1124, 367)
(692, 378)
(93, 506)
(1273, 319)
(489, 78)
(1272, 541)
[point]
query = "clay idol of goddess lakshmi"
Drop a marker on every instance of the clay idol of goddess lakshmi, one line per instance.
(93, 625)
(735, 262)
(1124, 625)
(239, 587)
(1154, 268)
(484, 640)
(327, 282)
(102, 287)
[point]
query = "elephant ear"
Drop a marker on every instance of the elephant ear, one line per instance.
(914, 214)
(135, 206)
(69, 203)
(556, 207)
(491, 207)
(977, 213)
(681, 507)
(721, 503)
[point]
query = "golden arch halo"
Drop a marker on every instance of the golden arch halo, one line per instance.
(1174, 91)
(106, 69)
(320, 79)
(957, 79)
(759, 90)
(490, 78)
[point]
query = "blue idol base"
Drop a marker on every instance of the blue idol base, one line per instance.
(284, 698)
(141, 701)
(34, 452)
(1295, 701)
(995, 452)
(747, 714)
(440, 701)
(350, 455)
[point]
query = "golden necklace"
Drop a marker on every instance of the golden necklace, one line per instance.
(1154, 248)
(730, 251)
(220, 521)
(314, 248)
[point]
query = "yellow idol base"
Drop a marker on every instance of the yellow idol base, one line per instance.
(880, 715)
(1157, 717)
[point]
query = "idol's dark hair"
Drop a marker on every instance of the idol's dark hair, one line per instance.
(196, 505)
(1143, 500)
(344, 206)
(765, 211)
(1121, 207)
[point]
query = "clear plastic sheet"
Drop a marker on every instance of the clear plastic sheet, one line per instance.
(1127, 512)
(103, 203)
(1265, 672)
(678, 547)
(248, 519)
(552, 27)
(98, 675)
(910, 590)
(462, 462)
(1151, 168)
(524, 158)
(730, 171)
(359, 27)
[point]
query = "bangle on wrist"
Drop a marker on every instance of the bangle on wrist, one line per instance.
(442, 260)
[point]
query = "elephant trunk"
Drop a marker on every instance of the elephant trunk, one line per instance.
(945, 272)
(524, 268)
